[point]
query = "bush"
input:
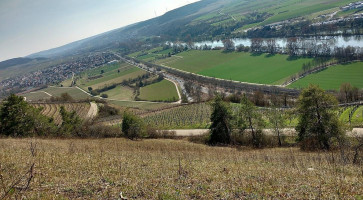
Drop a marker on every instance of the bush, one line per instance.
(132, 126)
(99, 131)
(105, 110)
(151, 132)
(65, 97)
(220, 128)
(71, 123)
(105, 96)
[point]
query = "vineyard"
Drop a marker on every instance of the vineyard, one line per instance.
(352, 115)
(189, 116)
(197, 116)
(52, 110)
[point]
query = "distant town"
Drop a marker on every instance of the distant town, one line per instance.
(56, 73)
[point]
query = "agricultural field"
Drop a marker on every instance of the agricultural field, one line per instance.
(197, 116)
(121, 93)
(151, 55)
(110, 76)
(245, 67)
(53, 110)
(193, 116)
(160, 91)
(36, 96)
(49, 92)
(279, 10)
(332, 77)
(293, 9)
(172, 169)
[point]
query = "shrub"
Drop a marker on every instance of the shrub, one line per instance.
(221, 127)
(18, 118)
(132, 126)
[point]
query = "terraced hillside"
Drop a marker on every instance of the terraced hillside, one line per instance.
(53, 110)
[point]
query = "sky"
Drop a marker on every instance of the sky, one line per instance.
(30, 26)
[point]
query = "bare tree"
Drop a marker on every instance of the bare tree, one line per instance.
(228, 45)
(346, 91)
(271, 46)
(256, 44)
(292, 46)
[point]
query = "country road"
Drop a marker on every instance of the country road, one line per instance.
(286, 131)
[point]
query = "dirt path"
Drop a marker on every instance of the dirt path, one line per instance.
(41, 92)
(93, 110)
(286, 131)
(177, 90)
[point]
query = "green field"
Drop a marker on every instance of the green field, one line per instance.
(245, 67)
(333, 77)
(111, 76)
(35, 96)
(161, 91)
(75, 93)
(120, 93)
(151, 54)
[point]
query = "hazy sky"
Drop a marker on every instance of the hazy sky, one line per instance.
(29, 26)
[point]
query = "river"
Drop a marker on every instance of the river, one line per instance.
(333, 41)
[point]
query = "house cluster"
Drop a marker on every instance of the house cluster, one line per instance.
(57, 73)
(340, 20)
(351, 6)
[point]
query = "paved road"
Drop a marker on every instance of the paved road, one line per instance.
(286, 131)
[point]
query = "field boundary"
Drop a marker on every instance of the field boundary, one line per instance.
(223, 83)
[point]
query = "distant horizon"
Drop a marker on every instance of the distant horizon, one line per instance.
(62, 23)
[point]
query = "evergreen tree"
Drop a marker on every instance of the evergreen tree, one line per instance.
(71, 123)
(221, 126)
(18, 118)
(318, 121)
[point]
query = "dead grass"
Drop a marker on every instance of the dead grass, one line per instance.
(173, 169)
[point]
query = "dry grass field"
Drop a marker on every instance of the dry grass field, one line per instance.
(170, 169)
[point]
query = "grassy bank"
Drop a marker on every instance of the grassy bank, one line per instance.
(173, 169)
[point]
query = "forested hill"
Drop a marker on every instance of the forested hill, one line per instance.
(205, 20)
(152, 27)
(17, 61)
